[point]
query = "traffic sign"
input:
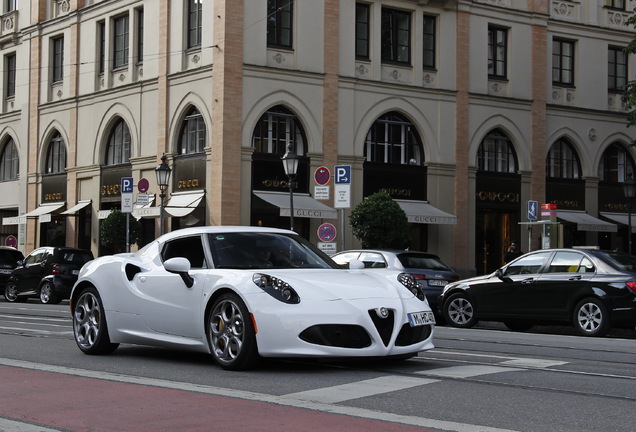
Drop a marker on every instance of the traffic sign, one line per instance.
(11, 241)
(322, 175)
(533, 207)
(143, 185)
(126, 185)
(143, 199)
(127, 194)
(342, 174)
(327, 232)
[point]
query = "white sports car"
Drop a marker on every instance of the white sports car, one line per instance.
(241, 293)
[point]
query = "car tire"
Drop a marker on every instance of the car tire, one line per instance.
(11, 294)
(231, 334)
(459, 311)
(591, 317)
(47, 295)
(518, 326)
(89, 324)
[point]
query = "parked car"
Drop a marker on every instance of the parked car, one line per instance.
(242, 293)
(592, 290)
(428, 269)
(48, 273)
(9, 258)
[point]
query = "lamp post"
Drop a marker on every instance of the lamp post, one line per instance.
(629, 189)
(163, 176)
(290, 164)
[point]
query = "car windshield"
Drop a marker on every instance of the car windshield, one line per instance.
(253, 250)
(76, 257)
(420, 261)
(621, 261)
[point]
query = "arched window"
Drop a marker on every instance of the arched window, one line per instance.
(562, 161)
(9, 161)
(118, 150)
(277, 129)
(616, 164)
(496, 154)
(393, 140)
(56, 155)
(192, 133)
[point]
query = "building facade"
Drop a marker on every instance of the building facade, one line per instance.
(462, 110)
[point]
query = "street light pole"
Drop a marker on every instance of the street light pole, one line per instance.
(290, 165)
(629, 189)
(163, 176)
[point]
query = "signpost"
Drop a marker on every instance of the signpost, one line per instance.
(327, 235)
(127, 184)
(342, 192)
(321, 190)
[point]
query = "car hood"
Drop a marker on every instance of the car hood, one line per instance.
(342, 284)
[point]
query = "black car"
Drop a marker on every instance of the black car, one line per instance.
(9, 258)
(592, 290)
(48, 273)
(428, 269)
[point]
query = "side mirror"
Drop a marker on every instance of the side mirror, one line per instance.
(499, 273)
(355, 264)
(180, 266)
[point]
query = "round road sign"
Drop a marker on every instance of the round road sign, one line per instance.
(327, 232)
(11, 241)
(143, 185)
(322, 175)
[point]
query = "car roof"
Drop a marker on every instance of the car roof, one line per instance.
(222, 229)
(394, 251)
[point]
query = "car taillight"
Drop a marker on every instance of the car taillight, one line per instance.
(418, 276)
(56, 270)
(631, 285)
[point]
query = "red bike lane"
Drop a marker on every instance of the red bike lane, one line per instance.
(78, 404)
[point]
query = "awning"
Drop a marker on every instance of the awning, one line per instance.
(77, 207)
(304, 205)
(183, 203)
(585, 222)
(425, 213)
(621, 218)
(45, 209)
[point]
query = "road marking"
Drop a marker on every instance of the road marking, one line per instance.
(261, 397)
(27, 330)
(533, 363)
(359, 389)
(467, 371)
(7, 425)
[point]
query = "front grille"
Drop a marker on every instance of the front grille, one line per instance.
(383, 325)
(337, 335)
(411, 335)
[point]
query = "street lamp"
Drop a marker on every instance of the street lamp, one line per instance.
(163, 176)
(629, 189)
(290, 164)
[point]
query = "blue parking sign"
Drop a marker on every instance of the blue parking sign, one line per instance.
(127, 185)
(342, 174)
(533, 210)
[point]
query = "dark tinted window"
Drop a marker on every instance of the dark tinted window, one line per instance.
(530, 264)
(10, 256)
(421, 261)
(621, 261)
(75, 256)
(190, 248)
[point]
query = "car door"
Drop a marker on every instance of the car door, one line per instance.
(568, 273)
(508, 296)
(164, 301)
(28, 277)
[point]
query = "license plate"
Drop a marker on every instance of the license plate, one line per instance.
(421, 318)
(5, 271)
(436, 282)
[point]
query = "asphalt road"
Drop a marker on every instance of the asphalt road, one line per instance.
(485, 379)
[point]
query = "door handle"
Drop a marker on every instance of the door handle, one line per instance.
(527, 281)
(577, 277)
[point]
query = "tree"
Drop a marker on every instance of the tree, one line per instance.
(629, 96)
(379, 222)
(112, 232)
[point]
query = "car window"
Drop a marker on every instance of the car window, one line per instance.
(34, 257)
(344, 258)
(621, 261)
(420, 261)
(76, 256)
(529, 264)
(570, 262)
(372, 260)
(10, 257)
(190, 248)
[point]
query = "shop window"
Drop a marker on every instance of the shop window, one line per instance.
(496, 154)
(563, 162)
(9, 161)
(393, 140)
(277, 129)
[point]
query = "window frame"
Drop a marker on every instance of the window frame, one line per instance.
(121, 36)
(57, 59)
(139, 14)
(193, 136)
(9, 159)
(363, 31)
(268, 138)
(118, 147)
(392, 46)
(10, 75)
(563, 161)
(558, 67)
(194, 19)
(429, 42)
(280, 24)
(615, 4)
(616, 164)
(614, 78)
(497, 48)
(381, 145)
(501, 157)
(101, 38)
(55, 156)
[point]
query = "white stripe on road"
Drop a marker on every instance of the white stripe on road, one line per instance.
(533, 363)
(7, 425)
(355, 390)
(238, 394)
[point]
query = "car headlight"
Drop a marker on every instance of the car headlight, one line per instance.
(412, 285)
(276, 287)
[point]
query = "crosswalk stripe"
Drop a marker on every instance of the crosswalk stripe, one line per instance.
(533, 363)
(359, 389)
(467, 371)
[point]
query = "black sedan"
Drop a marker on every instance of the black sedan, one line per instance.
(593, 290)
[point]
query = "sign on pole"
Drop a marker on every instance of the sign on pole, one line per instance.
(533, 210)
(342, 190)
(127, 194)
